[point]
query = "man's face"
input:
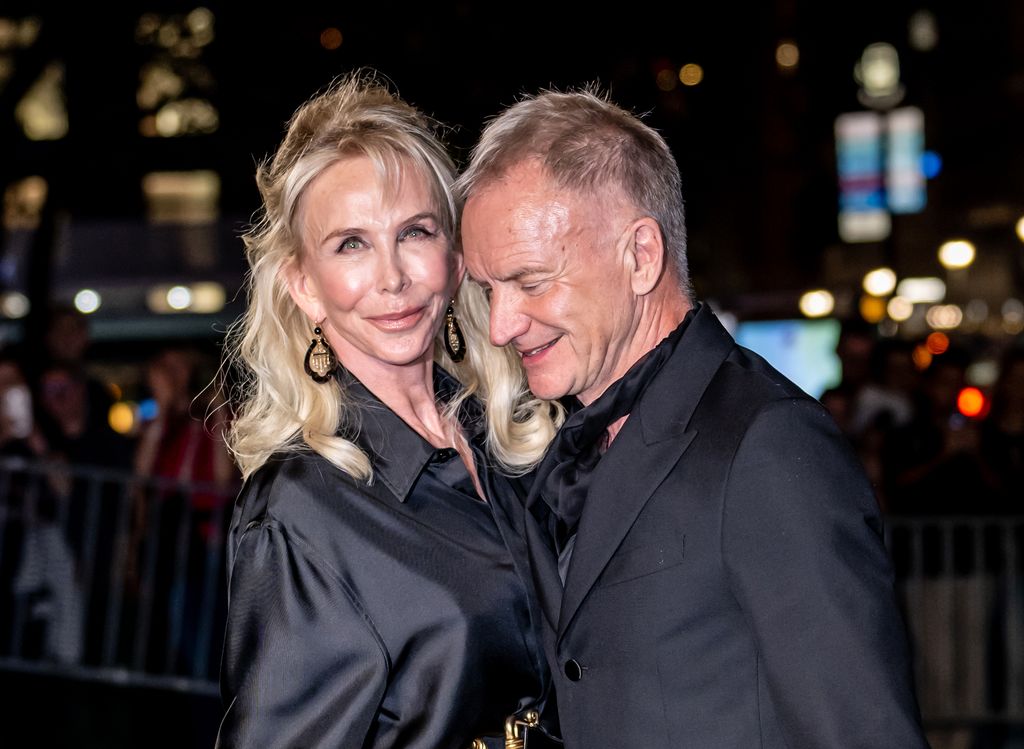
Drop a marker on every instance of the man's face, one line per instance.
(558, 280)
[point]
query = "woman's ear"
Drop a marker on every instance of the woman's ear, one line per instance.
(302, 289)
(646, 251)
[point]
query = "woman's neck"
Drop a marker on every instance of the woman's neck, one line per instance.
(409, 392)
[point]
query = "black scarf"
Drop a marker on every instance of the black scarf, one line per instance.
(563, 477)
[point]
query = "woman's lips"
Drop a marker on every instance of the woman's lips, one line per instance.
(402, 320)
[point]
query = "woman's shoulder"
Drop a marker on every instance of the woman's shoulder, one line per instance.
(289, 486)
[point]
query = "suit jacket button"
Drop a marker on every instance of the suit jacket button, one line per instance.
(573, 670)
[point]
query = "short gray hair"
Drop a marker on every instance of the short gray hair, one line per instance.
(586, 144)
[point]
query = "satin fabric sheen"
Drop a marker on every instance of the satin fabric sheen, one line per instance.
(388, 615)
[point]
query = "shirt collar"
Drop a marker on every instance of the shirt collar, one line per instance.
(397, 452)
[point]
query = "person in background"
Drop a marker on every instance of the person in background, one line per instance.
(19, 435)
(708, 551)
(39, 581)
(188, 480)
(378, 593)
(1002, 434)
(76, 426)
(68, 341)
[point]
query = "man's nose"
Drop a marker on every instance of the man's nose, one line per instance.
(507, 319)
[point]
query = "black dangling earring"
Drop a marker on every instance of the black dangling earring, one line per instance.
(454, 343)
(320, 361)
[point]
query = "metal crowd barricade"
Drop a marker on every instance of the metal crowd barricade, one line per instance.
(960, 582)
(107, 577)
(110, 577)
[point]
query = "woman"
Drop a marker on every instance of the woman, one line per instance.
(373, 601)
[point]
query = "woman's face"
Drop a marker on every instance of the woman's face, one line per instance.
(377, 269)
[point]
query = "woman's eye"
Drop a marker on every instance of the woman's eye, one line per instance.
(352, 243)
(415, 232)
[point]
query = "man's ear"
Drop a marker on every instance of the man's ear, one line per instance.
(646, 253)
(302, 289)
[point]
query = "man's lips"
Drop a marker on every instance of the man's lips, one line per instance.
(533, 352)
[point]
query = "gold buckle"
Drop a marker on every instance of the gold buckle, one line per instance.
(513, 738)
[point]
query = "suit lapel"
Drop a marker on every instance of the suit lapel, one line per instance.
(651, 443)
(623, 482)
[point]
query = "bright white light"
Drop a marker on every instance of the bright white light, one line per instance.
(957, 253)
(879, 69)
(864, 226)
(179, 297)
(817, 303)
(900, 308)
(880, 281)
(1020, 228)
(944, 316)
(87, 301)
(922, 290)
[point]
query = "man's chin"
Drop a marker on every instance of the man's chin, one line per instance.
(546, 390)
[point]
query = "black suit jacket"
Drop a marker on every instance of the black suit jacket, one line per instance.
(729, 586)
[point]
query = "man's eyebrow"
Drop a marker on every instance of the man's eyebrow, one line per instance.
(519, 273)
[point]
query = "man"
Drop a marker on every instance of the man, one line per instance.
(707, 551)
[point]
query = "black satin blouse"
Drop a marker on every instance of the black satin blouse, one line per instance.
(383, 615)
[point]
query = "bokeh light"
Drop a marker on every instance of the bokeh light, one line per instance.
(179, 297)
(330, 38)
(87, 301)
(121, 418)
(880, 281)
(666, 79)
(944, 316)
(872, 309)
(817, 303)
(787, 55)
(922, 290)
(14, 305)
(957, 253)
(937, 343)
(900, 308)
(691, 74)
(971, 402)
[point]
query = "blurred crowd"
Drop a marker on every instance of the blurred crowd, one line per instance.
(58, 410)
(82, 565)
(924, 455)
(122, 526)
(933, 439)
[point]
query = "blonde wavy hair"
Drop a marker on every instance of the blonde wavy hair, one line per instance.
(277, 408)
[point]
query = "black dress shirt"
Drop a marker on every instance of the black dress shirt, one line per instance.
(382, 615)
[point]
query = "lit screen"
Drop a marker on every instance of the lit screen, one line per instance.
(803, 350)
